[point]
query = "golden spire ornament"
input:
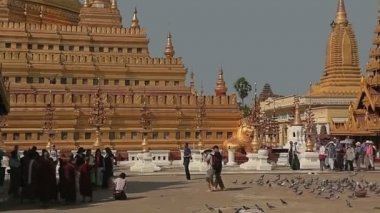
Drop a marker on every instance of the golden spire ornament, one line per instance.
(221, 88)
(341, 15)
(169, 49)
(135, 21)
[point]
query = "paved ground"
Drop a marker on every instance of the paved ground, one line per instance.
(171, 193)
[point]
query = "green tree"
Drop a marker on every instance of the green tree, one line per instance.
(242, 87)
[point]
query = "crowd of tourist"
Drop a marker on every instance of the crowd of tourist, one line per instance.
(339, 156)
(34, 176)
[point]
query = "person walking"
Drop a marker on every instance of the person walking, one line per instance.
(186, 160)
(85, 186)
(358, 156)
(15, 174)
(339, 149)
(295, 162)
(322, 156)
(290, 154)
(109, 161)
(54, 155)
(331, 154)
(209, 171)
(350, 157)
(370, 155)
(99, 166)
(217, 164)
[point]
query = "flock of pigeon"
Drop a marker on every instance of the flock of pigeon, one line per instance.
(345, 189)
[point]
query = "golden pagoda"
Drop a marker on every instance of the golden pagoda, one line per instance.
(66, 54)
(364, 113)
(338, 86)
(342, 73)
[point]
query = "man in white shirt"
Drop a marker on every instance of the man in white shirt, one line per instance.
(120, 185)
(54, 155)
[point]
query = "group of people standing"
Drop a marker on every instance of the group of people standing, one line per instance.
(214, 161)
(342, 156)
(35, 176)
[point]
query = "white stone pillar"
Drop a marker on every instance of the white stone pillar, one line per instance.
(263, 164)
(252, 162)
(145, 164)
(231, 157)
(197, 164)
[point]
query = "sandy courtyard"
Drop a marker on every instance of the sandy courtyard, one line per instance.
(150, 194)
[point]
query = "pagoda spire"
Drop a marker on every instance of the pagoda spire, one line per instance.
(297, 116)
(169, 48)
(341, 15)
(220, 88)
(341, 76)
(135, 21)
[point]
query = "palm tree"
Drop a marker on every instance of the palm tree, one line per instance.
(242, 87)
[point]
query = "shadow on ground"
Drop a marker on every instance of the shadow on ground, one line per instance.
(101, 196)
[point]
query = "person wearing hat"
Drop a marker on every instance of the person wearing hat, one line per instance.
(358, 155)
(370, 155)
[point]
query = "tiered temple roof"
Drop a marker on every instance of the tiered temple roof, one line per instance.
(63, 59)
(364, 113)
(267, 93)
(341, 76)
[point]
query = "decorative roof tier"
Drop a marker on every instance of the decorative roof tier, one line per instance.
(100, 13)
(341, 76)
(267, 93)
(220, 88)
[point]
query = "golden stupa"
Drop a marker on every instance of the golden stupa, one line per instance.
(364, 113)
(341, 76)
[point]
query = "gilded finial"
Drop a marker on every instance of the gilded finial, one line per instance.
(297, 116)
(113, 4)
(86, 3)
(341, 15)
(192, 83)
(221, 88)
(169, 49)
(135, 21)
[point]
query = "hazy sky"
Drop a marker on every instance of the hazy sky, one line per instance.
(281, 42)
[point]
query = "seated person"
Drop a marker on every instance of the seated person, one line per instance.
(120, 185)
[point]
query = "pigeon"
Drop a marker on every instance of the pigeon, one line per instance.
(348, 204)
(283, 202)
(243, 183)
(259, 208)
(209, 207)
(234, 182)
(270, 206)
